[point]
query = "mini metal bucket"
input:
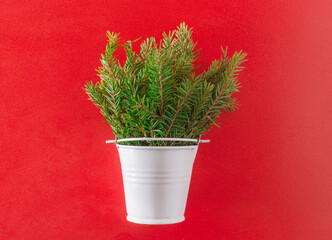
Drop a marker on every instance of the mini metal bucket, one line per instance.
(156, 180)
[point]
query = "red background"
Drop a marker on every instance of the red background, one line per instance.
(266, 173)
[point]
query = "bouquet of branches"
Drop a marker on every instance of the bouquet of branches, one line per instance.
(156, 92)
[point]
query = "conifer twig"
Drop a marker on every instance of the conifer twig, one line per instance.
(156, 92)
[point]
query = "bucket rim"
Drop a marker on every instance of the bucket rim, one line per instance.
(194, 140)
(157, 147)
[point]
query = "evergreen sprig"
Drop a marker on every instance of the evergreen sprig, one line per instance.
(156, 93)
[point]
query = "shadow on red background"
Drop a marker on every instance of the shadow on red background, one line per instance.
(266, 173)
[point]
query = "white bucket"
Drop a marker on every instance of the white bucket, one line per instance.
(156, 181)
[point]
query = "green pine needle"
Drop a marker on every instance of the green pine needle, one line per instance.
(156, 93)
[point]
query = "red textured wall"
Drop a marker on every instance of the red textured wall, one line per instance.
(267, 173)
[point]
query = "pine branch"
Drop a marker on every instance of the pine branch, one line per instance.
(156, 93)
(201, 103)
(177, 112)
(161, 87)
(238, 58)
(149, 111)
